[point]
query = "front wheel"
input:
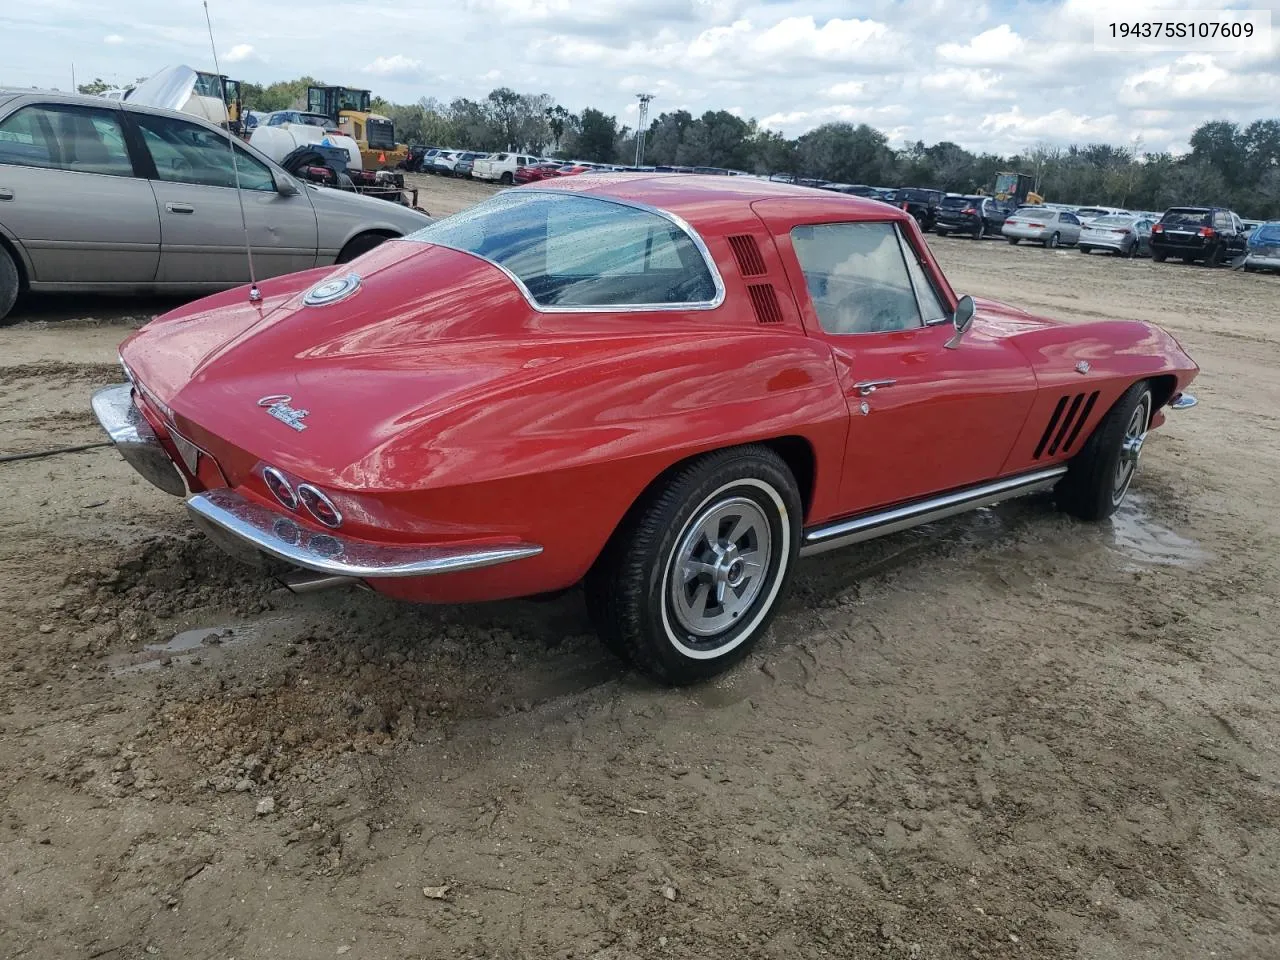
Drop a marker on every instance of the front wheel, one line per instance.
(1099, 476)
(689, 581)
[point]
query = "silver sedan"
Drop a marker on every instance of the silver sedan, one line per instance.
(105, 196)
(1053, 228)
(1123, 234)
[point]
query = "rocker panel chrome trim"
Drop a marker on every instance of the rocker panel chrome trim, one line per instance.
(881, 523)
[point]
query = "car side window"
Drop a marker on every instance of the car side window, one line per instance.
(520, 161)
(77, 139)
(931, 307)
(188, 153)
(857, 277)
(1221, 221)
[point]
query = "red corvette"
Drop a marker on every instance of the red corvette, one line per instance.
(667, 387)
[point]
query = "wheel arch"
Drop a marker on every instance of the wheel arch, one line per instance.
(796, 451)
(385, 233)
(19, 261)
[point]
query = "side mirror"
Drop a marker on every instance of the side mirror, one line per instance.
(962, 320)
(286, 187)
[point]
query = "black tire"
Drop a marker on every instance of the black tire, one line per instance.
(1215, 258)
(1094, 485)
(1052, 242)
(1159, 256)
(980, 230)
(1013, 241)
(360, 245)
(635, 608)
(940, 232)
(507, 178)
(1084, 249)
(10, 283)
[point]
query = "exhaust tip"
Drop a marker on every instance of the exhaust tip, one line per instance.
(309, 581)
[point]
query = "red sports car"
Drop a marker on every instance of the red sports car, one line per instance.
(666, 387)
(537, 171)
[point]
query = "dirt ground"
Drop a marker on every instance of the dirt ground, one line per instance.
(1007, 735)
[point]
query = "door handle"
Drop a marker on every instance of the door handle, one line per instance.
(180, 207)
(868, 387)
(6, 193)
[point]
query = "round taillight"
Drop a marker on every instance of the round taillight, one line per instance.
(319, 506)
(279, 487)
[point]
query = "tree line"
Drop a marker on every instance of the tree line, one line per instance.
(1227, 164)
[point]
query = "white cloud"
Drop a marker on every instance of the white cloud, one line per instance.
(916, 69)
(397, 66)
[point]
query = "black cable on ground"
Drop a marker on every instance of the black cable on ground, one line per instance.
(11, 457)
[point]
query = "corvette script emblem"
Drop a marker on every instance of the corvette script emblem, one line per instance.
(278, 406)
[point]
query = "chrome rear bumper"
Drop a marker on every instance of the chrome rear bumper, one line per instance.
(135, 439)
(235, 522)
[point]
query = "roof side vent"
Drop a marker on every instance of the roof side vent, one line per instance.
(764, 300)
(747, 252)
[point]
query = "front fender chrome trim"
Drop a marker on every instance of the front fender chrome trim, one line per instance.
(235, 522)
(868, 526)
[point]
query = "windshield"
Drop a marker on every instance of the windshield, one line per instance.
(1187, 218)
(572, 251)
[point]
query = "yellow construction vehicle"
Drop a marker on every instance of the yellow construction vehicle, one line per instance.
(374, 133)
(1016, 187)
(219, 87)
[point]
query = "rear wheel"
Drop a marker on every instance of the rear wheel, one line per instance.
(940, 232)
(1099, 477)
(1083, 249)
(507, 178)
(1013, 241)
(9, 283)
(980, 230)
(1053, 241)
(1214, 259)
(689, 581)
(1159, 256)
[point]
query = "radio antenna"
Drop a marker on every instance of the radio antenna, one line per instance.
(255, 295)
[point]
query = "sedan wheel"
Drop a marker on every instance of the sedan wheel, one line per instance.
(8, 283)
(689, 583)
(1098, 478)
(1052, 242)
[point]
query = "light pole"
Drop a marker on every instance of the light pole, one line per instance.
(641, 125)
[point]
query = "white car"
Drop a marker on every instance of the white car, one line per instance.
(501, 167)
(445, 161)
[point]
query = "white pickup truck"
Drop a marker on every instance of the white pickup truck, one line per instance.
(501, 167)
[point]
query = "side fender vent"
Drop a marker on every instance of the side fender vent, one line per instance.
(764, 300)
(1069, 417)
(747, 252)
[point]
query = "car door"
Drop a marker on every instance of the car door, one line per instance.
(1070, 228)
(202, 236)
(923, 418)
(69, 196)
(1239, 240)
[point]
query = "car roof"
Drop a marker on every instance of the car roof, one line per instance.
(699, 198)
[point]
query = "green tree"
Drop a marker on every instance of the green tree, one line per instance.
(596, 140)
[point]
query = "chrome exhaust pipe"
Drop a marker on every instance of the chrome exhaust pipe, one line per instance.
(309, 581)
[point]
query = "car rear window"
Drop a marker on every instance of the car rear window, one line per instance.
(1186, 218)
(955, 203)
(1032, 212)
(572, 251)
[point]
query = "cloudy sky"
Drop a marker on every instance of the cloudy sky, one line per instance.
(993, 75)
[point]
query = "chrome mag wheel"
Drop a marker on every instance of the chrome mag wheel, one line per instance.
(1135, 434)
(720, 566)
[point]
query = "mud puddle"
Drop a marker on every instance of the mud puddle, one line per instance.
(1147, 542)
(191, 646)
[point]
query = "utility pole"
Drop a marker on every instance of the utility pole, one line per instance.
(74, 88)
(642, 124)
